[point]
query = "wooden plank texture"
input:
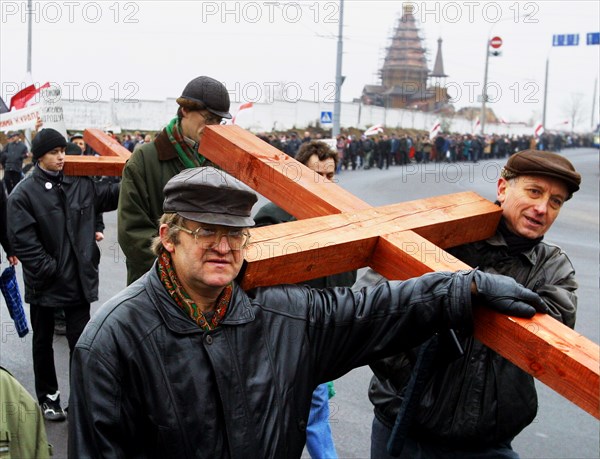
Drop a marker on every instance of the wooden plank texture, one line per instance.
(111, 162)
(274, 249)
(94, 165)
(556, 355)
(104, 144)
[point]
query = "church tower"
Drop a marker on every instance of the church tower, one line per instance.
(405, 74)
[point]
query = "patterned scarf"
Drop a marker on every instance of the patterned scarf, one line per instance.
(169, 279)
(189, 157)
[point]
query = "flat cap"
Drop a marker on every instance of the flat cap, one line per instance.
(209, 93)
(11, 134)
(209, 195)
(537, 162)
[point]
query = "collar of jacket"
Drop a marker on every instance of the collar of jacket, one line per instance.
(497, 240)
(39, 175)
(164, 148)
(239, 311)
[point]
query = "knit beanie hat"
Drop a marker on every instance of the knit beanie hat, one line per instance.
(46, 140)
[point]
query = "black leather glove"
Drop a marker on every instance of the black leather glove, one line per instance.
(505, 295)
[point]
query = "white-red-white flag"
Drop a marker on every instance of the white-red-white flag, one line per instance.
(435, 129)
(539, 129)
(477, 124)
(26, 97)
(245, 106)
(377, 129)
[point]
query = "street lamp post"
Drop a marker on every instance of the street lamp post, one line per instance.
(484, 91)
(338, 75)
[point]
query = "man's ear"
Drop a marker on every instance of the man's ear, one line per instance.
(501, 189)
(163, 232)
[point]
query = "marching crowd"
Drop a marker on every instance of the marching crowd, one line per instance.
(184, 363)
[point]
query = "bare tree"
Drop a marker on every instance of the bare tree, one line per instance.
(574, 109)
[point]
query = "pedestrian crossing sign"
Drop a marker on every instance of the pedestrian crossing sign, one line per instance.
(326, 117)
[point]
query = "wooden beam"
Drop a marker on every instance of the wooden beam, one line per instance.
(94, 165)
(556, 355)
(277, 176)
(105, 145)
(274, 255)
(111, 162)
(304, 195)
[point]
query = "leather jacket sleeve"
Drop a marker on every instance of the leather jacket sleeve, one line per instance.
(25, 241)
(377, 322)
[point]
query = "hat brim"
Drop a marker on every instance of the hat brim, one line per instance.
(225, 115)
(236, 221)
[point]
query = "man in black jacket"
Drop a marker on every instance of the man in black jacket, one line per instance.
(183, 363)
(474, 405)
(51, 230)
(12, 158)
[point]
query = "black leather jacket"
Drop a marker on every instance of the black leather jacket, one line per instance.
(51, 227)
(481, 399)
(146, 381)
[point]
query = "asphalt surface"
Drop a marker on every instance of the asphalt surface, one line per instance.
(561, 429)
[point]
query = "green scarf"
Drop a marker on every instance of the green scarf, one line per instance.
(189, 157)
(169, 279)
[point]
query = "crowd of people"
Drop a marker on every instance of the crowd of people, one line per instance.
(185, 363)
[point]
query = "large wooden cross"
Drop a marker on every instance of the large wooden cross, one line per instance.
(337, 232)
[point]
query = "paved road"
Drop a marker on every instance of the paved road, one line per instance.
(561, 430)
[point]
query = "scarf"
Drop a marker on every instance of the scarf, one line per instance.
(516, 244)
(189, 157)
(169, 279)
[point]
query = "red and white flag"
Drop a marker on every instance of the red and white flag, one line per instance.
(377, 129)
(539, 130)
(26, 97)
(245, 106)
(435, 129)
(477, 124)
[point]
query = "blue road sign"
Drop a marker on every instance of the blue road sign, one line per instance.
(593, 38)
(326, 117)
(569, 39)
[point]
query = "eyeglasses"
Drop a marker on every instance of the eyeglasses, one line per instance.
(211, 118)
(210, 237)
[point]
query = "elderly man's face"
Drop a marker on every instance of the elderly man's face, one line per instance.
(203, 267)
(531, 203)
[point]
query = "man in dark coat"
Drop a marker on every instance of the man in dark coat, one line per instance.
(51, 230)
(204, 101)
(474, 405)
(183, 363)
(11, 158)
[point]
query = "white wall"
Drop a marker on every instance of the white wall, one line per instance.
(151, 115)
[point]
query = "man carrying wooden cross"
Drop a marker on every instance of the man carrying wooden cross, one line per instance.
(204, 101)
(473, 406)
(184, 363)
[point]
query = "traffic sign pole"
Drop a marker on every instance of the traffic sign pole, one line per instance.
(495, 43)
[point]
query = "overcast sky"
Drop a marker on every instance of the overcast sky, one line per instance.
(151, 49)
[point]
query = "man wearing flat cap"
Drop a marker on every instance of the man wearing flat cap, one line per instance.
(204, 101)
(11, 158)
(185, 364)
(473, 406)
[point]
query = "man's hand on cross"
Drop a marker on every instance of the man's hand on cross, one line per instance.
(505, 295)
